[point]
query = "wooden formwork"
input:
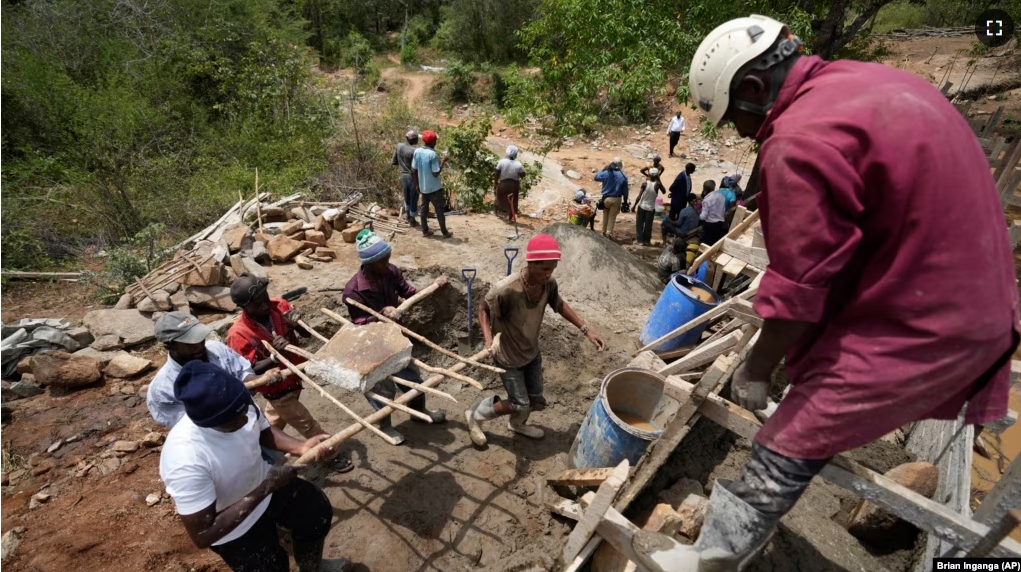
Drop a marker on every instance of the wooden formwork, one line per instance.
(949, 525)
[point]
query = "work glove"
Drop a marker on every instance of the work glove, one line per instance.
(749, 390)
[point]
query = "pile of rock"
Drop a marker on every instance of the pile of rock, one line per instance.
(201, 277)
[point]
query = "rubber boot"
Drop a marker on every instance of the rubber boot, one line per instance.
(732, 534)
(418, 404)
(386, 426)
(475, 415)
(309, 558)
(516, 423)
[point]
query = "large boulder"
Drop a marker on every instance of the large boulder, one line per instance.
(282, 248)
(82, 335)
(213, 297)
(129, 325)
(61, 369)
(102, 357)
(360, 356)
(107, 342)
(235, 235)
(126, 366)
(259, 252)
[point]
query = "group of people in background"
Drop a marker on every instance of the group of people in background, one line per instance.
(420, 169)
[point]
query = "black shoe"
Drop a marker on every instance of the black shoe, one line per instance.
(413, 222)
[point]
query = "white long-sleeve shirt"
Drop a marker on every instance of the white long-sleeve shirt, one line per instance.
(676, 125)
(713, 207)
(164, 406)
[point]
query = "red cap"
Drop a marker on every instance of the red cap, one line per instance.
(429, 137)
(542, 247)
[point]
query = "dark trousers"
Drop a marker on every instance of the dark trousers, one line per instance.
(675, 136)
(643, 220)
(388, 389)
(299, 507)
(712, 232)
(410, 197)
(436, 199)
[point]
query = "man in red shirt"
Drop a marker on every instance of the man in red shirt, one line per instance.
(888, 310)
(275, 321)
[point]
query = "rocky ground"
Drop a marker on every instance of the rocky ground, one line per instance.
(80, 482)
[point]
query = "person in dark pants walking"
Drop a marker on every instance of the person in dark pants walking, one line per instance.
(674, 131)
(680, 189)
(402, 159)
(713, 211)
(646, 207)
(425, 172)
(229, 499)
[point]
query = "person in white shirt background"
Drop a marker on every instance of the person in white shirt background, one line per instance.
(714, 209)
(229, 498)
(674, 131)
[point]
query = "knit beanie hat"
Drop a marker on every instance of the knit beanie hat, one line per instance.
(542, 247)
(211, 396)
(371, 248)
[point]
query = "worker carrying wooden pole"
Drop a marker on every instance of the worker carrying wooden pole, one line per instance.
(888, 309)
(379, 285)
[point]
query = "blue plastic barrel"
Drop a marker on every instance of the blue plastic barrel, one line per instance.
(677, 305)
(628, 414)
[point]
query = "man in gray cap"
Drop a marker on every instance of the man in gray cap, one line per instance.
(184, 336)
(402, 159)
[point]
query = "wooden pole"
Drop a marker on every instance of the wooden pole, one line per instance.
(258, 203)
(312, 331)
(354, 429)
(734, 233)
(286, 363)
(997, 533)
(416, 298)
(263, 379)
(414, 335)
(422, 388)
(398, 406)
(447, 373)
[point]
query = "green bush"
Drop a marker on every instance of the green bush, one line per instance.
(472, 161)
(409, 54)
(460, 78)
(357, 52)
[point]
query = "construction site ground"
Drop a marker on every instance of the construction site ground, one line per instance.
(437, 502)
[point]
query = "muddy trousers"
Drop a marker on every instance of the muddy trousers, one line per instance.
(388, 389)
(288, 410)
(772, 483)
(299, 507)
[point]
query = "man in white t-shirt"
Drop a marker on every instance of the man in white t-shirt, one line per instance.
(674, 130)
(229, 499)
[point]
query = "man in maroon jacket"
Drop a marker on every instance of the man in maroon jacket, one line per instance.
(888, 308)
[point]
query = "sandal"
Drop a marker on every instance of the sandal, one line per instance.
(342, 463)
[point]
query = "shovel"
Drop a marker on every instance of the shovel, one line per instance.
(510, 253)
(469, 276)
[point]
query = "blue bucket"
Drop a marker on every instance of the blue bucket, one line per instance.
(628, 414)
(677, 305)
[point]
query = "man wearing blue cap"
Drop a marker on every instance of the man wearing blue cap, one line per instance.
(380, 285)
(229, 499)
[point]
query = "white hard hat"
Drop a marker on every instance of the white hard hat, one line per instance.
(722, 53)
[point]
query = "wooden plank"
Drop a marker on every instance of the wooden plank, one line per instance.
(698, 320)
(743, 310)
(702, 355)
(1006, 525)
(757, 257)
(739, 215)
(1009, 162)
(730, 326)
(594, 513)
(924, 513)
(615, 528)
(675, 432)
(734, 233)
(734, 267)
(581, 477)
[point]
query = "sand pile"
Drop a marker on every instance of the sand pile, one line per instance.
(597, 269)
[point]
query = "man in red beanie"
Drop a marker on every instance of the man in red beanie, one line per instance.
(425, 173)
(514, 307)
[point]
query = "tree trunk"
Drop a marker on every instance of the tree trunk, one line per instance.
(834, 35)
